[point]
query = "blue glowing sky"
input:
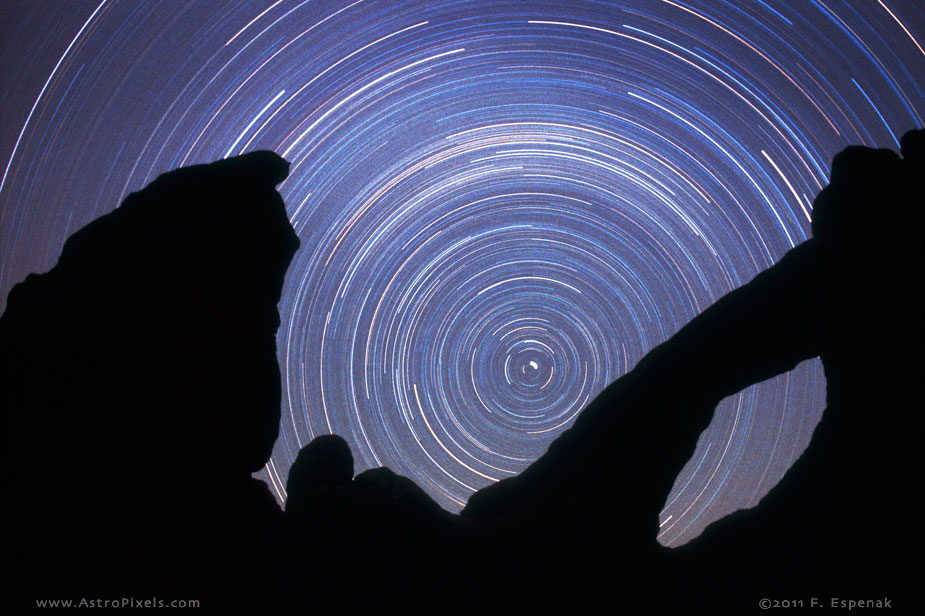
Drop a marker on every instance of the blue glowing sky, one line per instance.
(502, 205)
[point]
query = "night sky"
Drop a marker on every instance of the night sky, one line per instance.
(502, 205)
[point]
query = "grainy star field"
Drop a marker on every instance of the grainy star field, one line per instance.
(502, 205)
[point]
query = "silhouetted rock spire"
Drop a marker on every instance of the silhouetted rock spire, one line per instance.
(322, 467)
(141, 386)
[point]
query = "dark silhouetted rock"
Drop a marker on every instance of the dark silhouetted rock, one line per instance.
(379, 522)
(141, 387)
(140, 390)
(322, 467)
(831, 527)
(397, 512)
(321, 521)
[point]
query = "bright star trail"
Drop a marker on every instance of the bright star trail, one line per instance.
(502, 205)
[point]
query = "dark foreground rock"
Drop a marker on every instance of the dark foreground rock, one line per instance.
(140, 390)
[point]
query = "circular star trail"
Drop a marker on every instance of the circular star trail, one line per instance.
(502, 205)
